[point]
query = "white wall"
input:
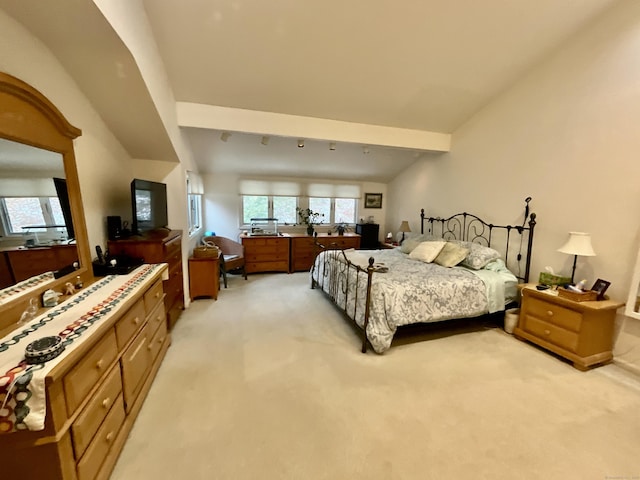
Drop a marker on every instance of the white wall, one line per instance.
(567, 135)
(104, 167)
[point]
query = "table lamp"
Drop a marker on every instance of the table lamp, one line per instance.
(579, 243)
(404, 228)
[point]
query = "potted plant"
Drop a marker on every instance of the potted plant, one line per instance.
(309, 218)
(341, 228)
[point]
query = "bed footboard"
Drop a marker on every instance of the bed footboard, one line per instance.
(341, 279)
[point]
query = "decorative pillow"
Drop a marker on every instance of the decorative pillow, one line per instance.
(427, 251)
(480, 256)
(412, 242)
(451, 255)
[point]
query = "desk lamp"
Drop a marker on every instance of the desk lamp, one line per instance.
(579, 243)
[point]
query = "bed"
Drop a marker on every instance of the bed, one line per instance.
(458, 267)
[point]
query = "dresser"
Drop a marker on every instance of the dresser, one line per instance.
(159, 247)
(95, 391)
(304, 249)
(581, 332)
(204, 277)
(266, 254)
(369, 233)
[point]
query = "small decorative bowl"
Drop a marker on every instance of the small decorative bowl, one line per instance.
(43, 349)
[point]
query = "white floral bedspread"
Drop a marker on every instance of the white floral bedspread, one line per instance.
(410, 292)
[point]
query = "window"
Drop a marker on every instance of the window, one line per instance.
(335, 210)
(195, 212)
(267, 206)
(21, 212)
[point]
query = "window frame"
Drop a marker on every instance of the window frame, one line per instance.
(301, 202)
(47, 215)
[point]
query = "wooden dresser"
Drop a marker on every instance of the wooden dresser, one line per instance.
(159, 247)
(266, 254)
(304, 249)
(95, 392)
(579, 331)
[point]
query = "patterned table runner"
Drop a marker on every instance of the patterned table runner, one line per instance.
(22, 386)
(25, 286)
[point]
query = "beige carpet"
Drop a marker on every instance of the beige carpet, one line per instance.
(268, 383)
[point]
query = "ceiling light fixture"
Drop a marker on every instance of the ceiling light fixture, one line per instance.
(365, 150)
(225, 136)
(265, 140)
(332, 146)
(301, 143)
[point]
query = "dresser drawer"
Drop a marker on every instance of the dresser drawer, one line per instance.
(172, 247)
(157, 341)
(551, 333)
(555, 314)
(270, 257)
(135, 362)
(98, 449)
(86, 373)
(153, 296)
(88, 422)
(129, 324)
(158, 317)
(282, 266)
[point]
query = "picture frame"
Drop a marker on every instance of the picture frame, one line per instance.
(600, 287)
(372, 200)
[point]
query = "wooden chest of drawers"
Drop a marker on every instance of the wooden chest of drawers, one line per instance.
(94, 394)
(159, 247)
(304, 250)
(579, 331)
(266, 254)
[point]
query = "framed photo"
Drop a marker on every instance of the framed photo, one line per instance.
(600, 286)
(372, 200)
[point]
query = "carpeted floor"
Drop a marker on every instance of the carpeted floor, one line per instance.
(268, 383)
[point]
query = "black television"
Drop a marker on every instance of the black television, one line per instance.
(63, 197)
(149, 206)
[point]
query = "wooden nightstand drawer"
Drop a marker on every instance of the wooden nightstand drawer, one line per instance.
(555, 314)
(551, 333)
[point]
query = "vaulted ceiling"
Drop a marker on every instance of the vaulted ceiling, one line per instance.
(388, 76)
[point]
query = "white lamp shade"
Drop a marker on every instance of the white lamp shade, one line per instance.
(404, 226)
(579, 243)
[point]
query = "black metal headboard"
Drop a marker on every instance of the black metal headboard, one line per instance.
(467, 227)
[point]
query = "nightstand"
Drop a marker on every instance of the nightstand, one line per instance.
(578, 331)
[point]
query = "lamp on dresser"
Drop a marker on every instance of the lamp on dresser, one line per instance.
(579, 243)
(404, 228)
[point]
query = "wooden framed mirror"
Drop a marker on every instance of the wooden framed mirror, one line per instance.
(30, 125)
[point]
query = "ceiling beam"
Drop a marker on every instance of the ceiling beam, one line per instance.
(213, 117)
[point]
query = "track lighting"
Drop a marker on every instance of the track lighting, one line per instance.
(301, 143)
(225, 136)
(365, 150)
(265, 140)
(332, 146)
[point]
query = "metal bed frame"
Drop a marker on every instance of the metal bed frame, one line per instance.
(337, 268)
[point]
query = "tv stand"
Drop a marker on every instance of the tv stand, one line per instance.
(158, 246)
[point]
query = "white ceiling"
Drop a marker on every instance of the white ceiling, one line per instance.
(416, 64)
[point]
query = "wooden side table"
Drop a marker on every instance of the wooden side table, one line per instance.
(578, 331)
(204, 277)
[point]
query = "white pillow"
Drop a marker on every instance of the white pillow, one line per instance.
(427, 251)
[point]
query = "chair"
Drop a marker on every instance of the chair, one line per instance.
(232, 257)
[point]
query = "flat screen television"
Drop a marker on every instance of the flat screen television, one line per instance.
(63, 197)
(149, 205)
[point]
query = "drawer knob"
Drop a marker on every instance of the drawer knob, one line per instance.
(109, 437)
(550, 313)
(99, 364)
(105, 402)
(136, 320)
(157, 294)
(547, 332)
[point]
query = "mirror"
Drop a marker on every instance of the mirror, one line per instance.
(633, 301)
(30, 123)
(36, 228)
